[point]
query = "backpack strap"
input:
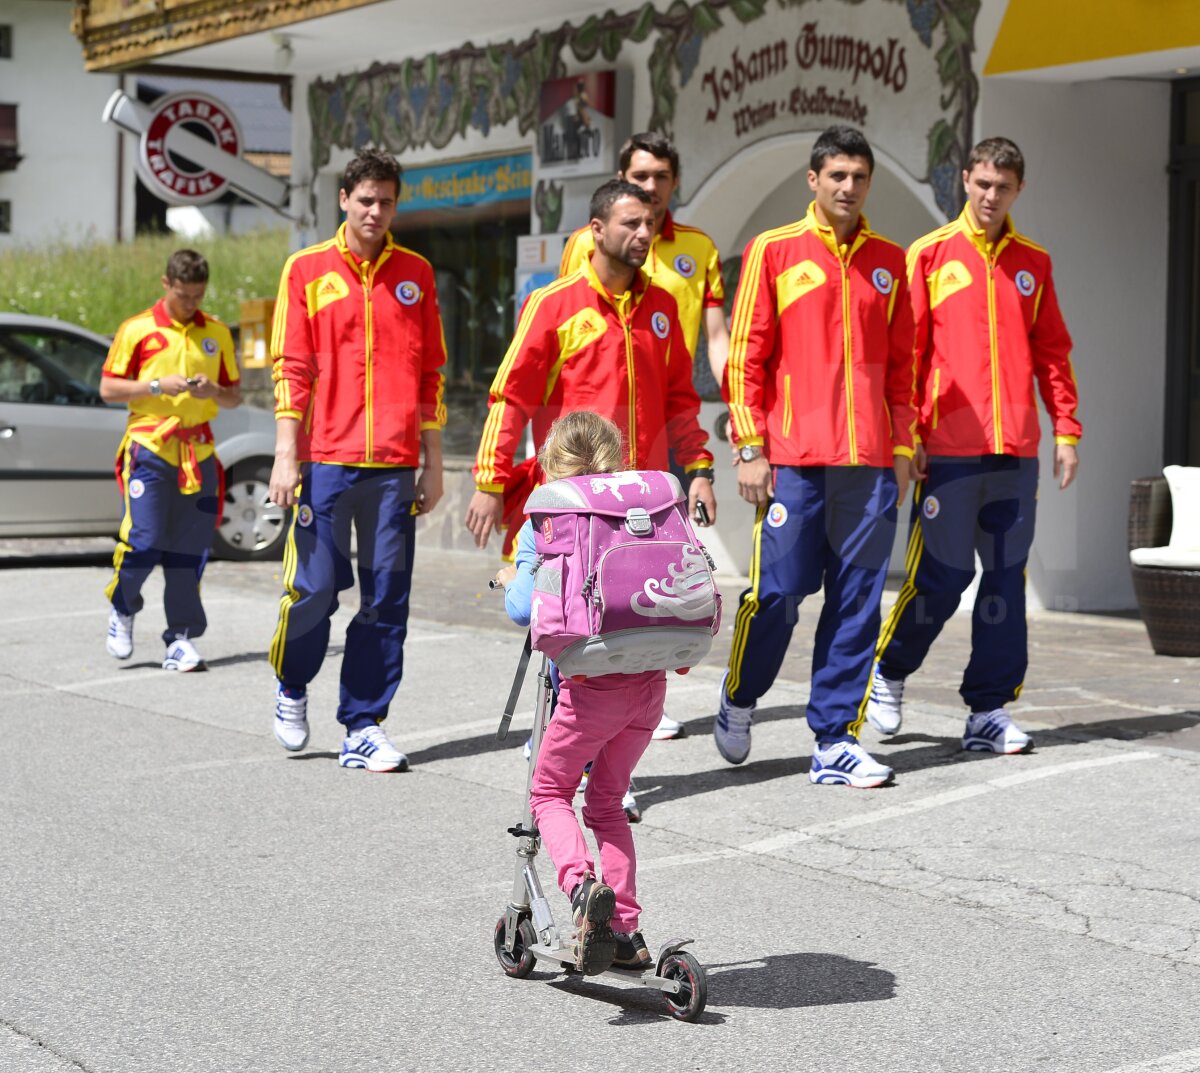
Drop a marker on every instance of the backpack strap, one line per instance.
(515, 692)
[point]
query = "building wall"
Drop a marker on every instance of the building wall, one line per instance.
(65, 188)
(1096, 197)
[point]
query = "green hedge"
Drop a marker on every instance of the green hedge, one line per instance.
(99, 285)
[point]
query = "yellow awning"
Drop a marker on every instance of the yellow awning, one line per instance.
(1041, 33)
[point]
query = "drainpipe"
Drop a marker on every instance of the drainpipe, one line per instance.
(120, 172)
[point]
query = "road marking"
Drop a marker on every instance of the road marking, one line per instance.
(1180, 1062)
(99, 614)
(784, 839)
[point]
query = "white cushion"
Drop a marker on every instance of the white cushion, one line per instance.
(1184, 482)
(1176, 558)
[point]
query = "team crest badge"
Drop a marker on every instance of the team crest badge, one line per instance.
(931, 508)
(661, 325)
(1025, 282)
(776, 515)
(883, 281)
(304, 516)
(547, 530)
(685, 266)
(136, 488)
(210, 346)
(408, 293)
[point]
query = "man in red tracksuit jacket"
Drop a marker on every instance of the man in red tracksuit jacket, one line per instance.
(820, 391)
(604, 338)
(358, 348)
(988, 328)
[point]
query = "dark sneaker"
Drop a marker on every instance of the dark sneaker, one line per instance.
(633, 812)
(592, 907)
(632, 952)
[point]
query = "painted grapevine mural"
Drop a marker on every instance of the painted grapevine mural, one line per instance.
(788, 65)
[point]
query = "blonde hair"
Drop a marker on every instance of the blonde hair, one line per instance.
(581, 442)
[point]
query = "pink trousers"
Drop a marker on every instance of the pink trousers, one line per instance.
(607, 720)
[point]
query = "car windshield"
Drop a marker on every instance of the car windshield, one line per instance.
(38, 365)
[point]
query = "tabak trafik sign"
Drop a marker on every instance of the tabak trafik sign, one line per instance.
(190, 150)
(802, 70)
(172, 175)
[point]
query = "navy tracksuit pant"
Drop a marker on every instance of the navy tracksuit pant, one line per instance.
(967, 505)
(830, 524)
(162, 526)
(377, 502)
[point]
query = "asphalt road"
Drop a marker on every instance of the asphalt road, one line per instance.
(179, 894)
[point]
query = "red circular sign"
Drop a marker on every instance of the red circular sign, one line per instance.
(180, 120)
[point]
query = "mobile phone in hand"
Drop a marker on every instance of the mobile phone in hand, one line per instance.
(701, 515)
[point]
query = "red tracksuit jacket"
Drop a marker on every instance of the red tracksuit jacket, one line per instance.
(579, 348)
(987, 326)
(358, 349)
(821, 368)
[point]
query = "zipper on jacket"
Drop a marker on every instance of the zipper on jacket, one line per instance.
(994, 347)
(787, 405)
(848, 352)
(937, 386)
(629, 367)
(368, 275)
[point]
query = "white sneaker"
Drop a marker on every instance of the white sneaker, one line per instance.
(182, 656)
(371, 749)
(731, 731)
(119, 642)
(668, 728)
(846, 763)
(883, 706)
(995, 732)
(291, 720)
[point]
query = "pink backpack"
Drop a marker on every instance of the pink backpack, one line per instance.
(622, 583)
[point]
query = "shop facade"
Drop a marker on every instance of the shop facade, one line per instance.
(1108, 117)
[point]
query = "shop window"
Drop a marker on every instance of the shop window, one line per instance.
(474, 261)
(1190, 108)
(9, 157)
(5, 217)
(5, 42)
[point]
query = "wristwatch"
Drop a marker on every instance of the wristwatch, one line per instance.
(748, 452)
(706, 474)
(155, 387)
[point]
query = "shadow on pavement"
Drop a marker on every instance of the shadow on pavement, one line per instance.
(929, 752)
(66, 558)
(639, 1005)
(793, 981)
(938, 751)
(774, 982)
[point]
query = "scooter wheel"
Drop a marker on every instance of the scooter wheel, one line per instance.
(689, 1003)
(520, 962)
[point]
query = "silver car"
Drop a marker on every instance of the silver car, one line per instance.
(58, 440)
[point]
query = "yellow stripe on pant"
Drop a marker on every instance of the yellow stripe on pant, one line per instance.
(290, 595)
(126, 520)
(908, 591)
(746, 609)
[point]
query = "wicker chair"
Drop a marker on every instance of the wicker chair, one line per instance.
(1168, 598)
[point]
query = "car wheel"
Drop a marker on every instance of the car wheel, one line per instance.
(252, 527)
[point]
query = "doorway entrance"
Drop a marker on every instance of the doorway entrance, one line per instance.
(1181, 441)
